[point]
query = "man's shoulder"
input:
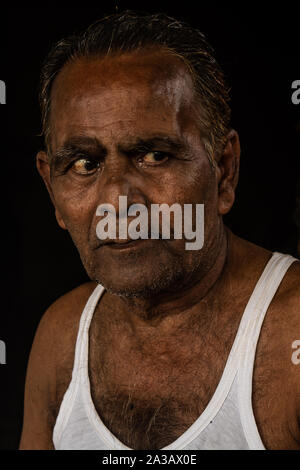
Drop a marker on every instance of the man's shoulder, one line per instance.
(287, 297)
(282, 326)
(59, 324)
(251, 261)
(55, 338)
(283, 316)
(276, 376)
(52, 353)
(68, 308)
(286, 311)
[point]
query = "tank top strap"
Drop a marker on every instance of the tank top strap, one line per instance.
(250, 328)
(81, 348)
(80, 363)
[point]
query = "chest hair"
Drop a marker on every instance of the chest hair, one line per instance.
(147, 402)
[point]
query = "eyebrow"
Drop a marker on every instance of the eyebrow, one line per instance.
(167, 142)
(77, 145)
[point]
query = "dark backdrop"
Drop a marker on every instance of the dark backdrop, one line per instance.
(258, 51)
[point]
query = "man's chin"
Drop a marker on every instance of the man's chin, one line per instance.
(140, 272)
(144, 287)
(130, 293)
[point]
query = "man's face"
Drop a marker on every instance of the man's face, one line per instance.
(126, 126)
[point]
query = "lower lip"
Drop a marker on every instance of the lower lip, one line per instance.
(126, 246)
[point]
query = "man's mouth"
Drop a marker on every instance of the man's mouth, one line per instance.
(123, 245)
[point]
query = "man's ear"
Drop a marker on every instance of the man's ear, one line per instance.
(43, 166)
(228, 172)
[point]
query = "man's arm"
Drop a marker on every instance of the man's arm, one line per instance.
(38, 413)
(294, 299)
(276, 399)
(289, 330)
(291, 325)
(50, 366)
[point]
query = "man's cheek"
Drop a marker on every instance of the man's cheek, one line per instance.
(78, 223)
(73, 209)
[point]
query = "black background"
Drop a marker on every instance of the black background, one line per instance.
(259, 51)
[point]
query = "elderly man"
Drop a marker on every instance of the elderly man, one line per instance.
(165, 348)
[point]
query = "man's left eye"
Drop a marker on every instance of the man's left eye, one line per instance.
(85, 166)
(154, 157)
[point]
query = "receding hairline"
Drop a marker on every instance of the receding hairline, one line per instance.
(173, 68)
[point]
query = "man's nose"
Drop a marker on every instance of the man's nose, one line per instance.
(120, 178)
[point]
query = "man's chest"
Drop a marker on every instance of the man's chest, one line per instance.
(147, 409)
(148, 401)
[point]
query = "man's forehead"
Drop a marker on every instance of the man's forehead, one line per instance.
(157, 74)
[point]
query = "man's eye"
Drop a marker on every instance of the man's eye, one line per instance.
(85, 166)
(154, 157)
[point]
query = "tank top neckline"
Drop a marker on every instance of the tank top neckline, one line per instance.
(239, 363)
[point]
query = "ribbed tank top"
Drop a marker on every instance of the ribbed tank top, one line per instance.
(226, 423)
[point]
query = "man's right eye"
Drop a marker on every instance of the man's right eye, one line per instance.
(85, 166)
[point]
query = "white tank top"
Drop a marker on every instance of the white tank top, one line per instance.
(226, 423)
